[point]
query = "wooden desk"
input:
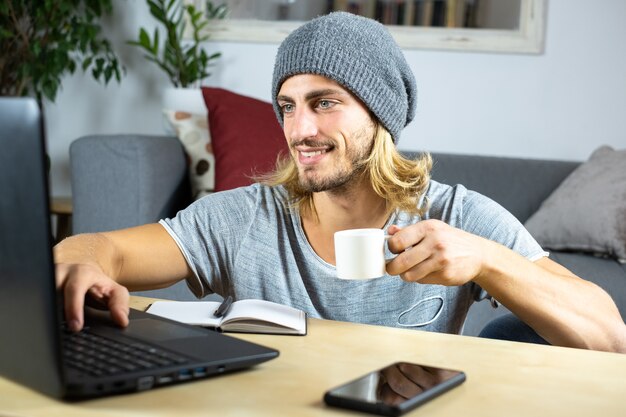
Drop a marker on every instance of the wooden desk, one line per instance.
(503, 379)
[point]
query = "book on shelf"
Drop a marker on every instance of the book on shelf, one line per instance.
(360, 7)
(422, 12)
(455, 13)
(438, 17)
(409, 13)
(444, 13)
(243, 316)
(405, 12)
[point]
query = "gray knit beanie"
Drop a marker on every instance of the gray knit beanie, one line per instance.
(358, 53)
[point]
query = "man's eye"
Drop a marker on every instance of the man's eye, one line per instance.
(325, 104)
(287, 108)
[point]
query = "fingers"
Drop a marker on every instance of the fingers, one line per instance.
(432, 252)
(73, 296)
(422, 376)
(81, 281)
(414, 249)
(406, 380)
(428, 271)
(119, 305)
(393, 229)
(410, 263)
(402, 239)
(400, 384)
(387, 395)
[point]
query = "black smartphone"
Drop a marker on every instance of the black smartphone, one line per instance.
(394, 389)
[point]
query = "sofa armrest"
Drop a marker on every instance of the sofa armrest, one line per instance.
(121, 181)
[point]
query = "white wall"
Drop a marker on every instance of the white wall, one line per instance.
(561, 104)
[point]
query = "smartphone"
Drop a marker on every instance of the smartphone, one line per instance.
(394, 389)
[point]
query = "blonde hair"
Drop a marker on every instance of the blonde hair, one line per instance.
(399, 180)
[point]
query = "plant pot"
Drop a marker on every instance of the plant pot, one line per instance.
(189, 100)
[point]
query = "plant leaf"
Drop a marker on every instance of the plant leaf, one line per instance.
(144, 39)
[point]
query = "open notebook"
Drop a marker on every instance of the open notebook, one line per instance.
(245, 316)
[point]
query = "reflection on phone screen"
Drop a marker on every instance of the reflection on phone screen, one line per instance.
(395, 383)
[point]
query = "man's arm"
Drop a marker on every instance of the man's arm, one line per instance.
(561, 307)
(104, 266)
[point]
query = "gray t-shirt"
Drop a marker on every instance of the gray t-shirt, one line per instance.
(247, 243)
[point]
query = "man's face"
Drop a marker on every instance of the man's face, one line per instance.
(328, 130)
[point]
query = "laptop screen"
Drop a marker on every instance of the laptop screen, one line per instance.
(29, 317)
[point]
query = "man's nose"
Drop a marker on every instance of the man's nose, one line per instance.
(301, 125)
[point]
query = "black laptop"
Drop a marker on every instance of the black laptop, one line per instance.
(103, 359)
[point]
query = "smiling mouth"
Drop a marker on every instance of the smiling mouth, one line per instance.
(311, 154)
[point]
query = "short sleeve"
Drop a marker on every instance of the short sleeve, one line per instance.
(485, 217)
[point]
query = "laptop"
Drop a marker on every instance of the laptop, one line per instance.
(103, 359)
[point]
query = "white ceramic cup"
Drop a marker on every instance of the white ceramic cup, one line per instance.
(360, 253)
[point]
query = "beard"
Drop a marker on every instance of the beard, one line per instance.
(340, 179)
(350, 170)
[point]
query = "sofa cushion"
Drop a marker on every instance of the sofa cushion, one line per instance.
(245, 136)
(587, 211)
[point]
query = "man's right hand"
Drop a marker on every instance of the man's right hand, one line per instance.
(103, 267)
(81, 282)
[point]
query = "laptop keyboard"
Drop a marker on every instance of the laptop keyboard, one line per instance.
(99, 356)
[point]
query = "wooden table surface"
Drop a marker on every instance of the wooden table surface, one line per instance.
(503, 378)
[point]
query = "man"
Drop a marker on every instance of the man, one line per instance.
(343, 92)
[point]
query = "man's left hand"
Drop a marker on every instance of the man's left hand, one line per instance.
(433, 252)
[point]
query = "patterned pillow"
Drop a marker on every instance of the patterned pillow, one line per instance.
(193, 132)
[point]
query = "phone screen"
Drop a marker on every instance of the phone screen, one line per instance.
(394, 389)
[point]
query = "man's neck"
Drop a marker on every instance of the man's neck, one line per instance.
(354, 208)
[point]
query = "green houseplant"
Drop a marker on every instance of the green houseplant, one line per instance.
(44, 40)
(185, 61)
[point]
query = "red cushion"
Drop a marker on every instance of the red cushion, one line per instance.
(245, 136)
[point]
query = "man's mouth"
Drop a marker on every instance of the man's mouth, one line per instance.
(310, 154)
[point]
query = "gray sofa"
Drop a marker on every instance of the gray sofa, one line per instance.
(127, 180)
